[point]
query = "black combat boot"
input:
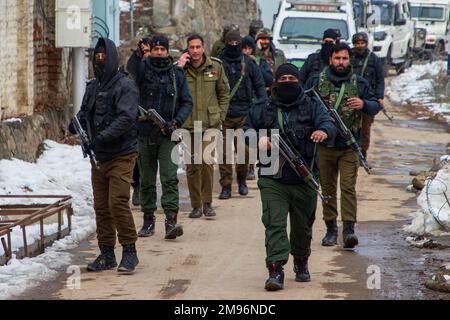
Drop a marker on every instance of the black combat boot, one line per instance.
(135, 199)
(276, 277)
(129, 259)
(173, 229)
(331, 236)
(349, 237)
(196, 213)
(105, 261)
(301, 269)
(242, 184)
(208, 210)
(226, 193)
(148, 228)
(251, 172)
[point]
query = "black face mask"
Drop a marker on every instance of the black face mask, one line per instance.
(100, 67)
(343, 73)
(160, 62)
(288, 92)
(233, 52)
(325, 53)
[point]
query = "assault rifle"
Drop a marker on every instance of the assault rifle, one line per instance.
(297, 164)
(344, 131)
(153, 115)
(85, 142)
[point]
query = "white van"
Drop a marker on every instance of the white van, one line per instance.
(431, 15)
(299, 25)
(394, 33)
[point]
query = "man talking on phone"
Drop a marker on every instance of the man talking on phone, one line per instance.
(210, 91)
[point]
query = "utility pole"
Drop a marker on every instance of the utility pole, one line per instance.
(78, 78)
(131, 19)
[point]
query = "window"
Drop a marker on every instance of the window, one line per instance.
(311, 28)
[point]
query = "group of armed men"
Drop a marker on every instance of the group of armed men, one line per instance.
(245, 83)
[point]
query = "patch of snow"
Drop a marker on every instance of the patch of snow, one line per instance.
(447, 277)
(60, 170)
(12, 120)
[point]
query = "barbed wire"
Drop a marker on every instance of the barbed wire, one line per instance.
(433, 213)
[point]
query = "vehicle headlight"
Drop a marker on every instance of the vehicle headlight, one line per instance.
(421, 33)
(379, 36)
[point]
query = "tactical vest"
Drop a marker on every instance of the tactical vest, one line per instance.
(351, 118)
(296, 126)
(159, 91)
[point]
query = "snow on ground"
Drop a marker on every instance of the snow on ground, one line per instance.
(60, 170)
(417, 86)
(433, 202)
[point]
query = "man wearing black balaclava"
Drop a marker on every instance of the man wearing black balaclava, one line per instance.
(302, 123)
(108, 114)
(247, 88)
(317, 61)
(163, 87)
(351, 95)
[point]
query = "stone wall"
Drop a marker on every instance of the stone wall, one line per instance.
(23, 137)
(179, 18)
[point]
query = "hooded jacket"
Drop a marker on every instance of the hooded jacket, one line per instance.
(110, 107)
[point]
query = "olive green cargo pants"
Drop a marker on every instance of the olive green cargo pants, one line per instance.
(150, 155)
(279, 199)
(343, 163)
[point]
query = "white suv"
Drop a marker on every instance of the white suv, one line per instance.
(394, 32)
(431, 15)
(299, 25)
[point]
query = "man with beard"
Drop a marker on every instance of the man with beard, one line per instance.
(266, 49)
(108, 114)
(351, 95)
(219, 45)
(302, 123)
(210, 91)
(247, 88)
(163, 87)
(366, 64)
(317, 61)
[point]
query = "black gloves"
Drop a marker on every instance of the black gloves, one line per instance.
(170, 127)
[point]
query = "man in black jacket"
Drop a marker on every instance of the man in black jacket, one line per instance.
(247, 88)
(366, 64)
(317, 61)
(302, 123)
(108, 114)
(163, 87)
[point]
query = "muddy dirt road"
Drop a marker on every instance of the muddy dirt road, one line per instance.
(224, 258)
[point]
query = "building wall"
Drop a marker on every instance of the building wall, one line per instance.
(33, 74)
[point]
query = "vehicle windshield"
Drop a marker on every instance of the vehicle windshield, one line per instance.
(427, 13)
(311, 28)
(384, 12)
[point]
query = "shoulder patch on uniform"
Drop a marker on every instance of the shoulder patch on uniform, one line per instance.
(216, 59)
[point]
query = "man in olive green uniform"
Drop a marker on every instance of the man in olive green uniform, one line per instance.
(351, 95)
(266, 49)
(210, 92)
(302, 123)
